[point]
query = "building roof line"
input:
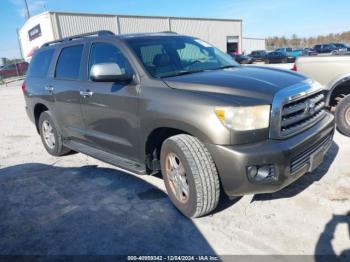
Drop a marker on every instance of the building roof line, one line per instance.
(145, 16)
(254, 38)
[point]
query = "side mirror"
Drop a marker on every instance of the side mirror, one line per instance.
(109, 72)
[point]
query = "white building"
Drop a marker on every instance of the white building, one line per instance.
(226, 34)
(250, 44)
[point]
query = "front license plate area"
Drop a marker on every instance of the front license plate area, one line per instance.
(316, 159)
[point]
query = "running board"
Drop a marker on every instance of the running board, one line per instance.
(120, 162)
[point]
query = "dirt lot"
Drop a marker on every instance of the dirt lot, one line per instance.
(78, 205)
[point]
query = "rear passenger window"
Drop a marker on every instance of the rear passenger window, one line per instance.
(39, 66)
(68, 65)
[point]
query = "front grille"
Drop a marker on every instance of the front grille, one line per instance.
(304, 158)
(302, 113)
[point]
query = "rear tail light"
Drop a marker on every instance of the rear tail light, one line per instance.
(294, 68)
(23, 86)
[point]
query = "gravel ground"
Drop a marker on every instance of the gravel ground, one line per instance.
(78, 205)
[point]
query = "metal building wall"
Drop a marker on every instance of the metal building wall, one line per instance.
(72, 24)
(251, 44)
(212, 31)
(137, 24)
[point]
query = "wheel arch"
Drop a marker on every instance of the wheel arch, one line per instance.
(155, 136)
(339, 85)
(39, 108)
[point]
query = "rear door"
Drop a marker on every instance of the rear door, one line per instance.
(110, 113)
(65, 85)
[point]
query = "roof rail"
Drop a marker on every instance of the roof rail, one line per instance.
(70, 38)
(168, 32)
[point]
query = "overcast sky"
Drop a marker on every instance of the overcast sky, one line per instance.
(260, 18)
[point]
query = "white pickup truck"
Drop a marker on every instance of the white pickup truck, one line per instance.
(334, 73)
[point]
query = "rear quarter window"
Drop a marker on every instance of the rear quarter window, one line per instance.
(39, 66)
(68, 65)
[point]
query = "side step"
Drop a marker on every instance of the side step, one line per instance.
(109, 158)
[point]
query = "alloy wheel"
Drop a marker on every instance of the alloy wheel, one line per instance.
(176, 174)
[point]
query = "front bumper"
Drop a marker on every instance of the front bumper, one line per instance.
(232, 161)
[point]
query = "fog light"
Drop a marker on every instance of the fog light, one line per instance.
(264, 173)
(252, 171)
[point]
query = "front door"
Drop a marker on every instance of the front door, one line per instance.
(110, 110)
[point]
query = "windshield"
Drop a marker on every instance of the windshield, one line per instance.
(165, 56)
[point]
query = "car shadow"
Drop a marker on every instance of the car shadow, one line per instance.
(89, 210)
(305, 181)
(324, 249)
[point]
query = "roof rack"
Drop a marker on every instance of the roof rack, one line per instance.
(168, 32)
(70, 38)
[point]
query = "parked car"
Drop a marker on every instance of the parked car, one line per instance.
(308, 52)
(17, 69)
(174, 104)
(258, 55)
(342, 47)
(293, 52)
(287, 50)
(243, 59)
(334, 73)
(279, 57)
(325, 48)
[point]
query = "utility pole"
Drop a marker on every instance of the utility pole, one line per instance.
(27, 9)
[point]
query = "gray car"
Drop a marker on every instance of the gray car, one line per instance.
(176, 105)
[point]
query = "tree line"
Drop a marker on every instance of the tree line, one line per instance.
(298, 42)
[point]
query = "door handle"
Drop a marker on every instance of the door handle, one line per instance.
(86, 93)
(49, 88)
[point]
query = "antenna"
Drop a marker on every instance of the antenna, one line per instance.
(27, 9)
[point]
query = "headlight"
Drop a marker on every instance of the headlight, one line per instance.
(244, 118)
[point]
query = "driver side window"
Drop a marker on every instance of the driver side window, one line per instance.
(191, 52)
(108, 53)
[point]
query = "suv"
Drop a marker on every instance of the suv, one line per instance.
(176, 105)
(327, 48)
(258, 55)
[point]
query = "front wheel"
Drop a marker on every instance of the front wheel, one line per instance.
(342, 116)
(190, 175)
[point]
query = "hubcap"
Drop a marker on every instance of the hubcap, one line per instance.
(48, 134)
(176, 174)
(347, 116)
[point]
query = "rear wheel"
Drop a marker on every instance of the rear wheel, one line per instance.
(342, 115)
(190, 175)
(50, 136)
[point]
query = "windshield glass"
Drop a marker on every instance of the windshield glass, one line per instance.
(165, 56)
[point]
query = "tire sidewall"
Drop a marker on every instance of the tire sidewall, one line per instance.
(56, 150)
(341, 109)
(188, 208)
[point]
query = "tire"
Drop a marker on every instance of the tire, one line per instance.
(342, 116)
(200, 175)
(55, 148)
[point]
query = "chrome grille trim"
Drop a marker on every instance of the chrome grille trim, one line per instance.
(285, 104)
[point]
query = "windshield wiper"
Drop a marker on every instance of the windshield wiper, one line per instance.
(183, 73)
(224, 67)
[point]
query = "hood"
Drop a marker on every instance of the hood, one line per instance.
(261, 83)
